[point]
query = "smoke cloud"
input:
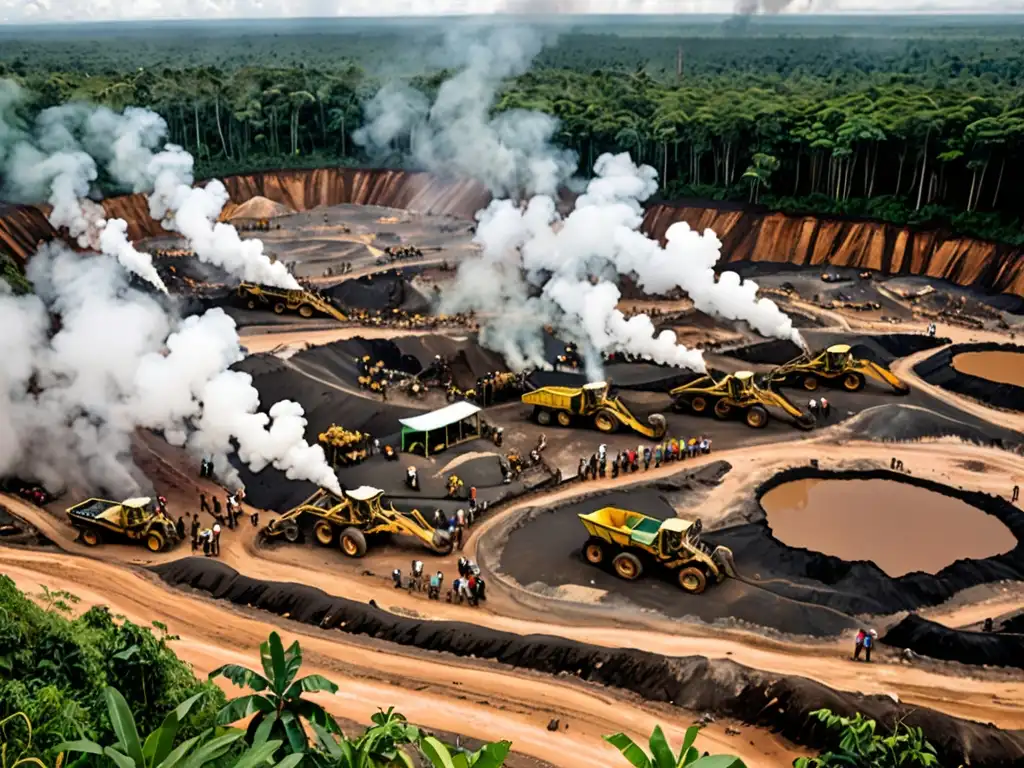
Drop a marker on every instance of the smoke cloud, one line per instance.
(511, 153)
(58, 160)
(562, 272)
(120, 361)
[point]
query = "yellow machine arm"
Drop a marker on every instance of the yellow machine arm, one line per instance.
(772, 398)
(655, 431)
(390, 520)
(880, 373)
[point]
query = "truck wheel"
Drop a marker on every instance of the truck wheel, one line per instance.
(809, 382)
(594, 551)
(353, 542)
(564, 418)
(627, 566)
(323, 532)
(251, 304)
(757, 417)
(544, 417)
(291, 533)
(699, 404)
(605, 422)
(91, 538)
(306, 311)
(723, 410)
(279, 308)
(154, 541)
(853, 382)
(692, 580)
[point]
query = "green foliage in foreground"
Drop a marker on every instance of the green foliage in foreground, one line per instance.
(861, 746)
(661, 753)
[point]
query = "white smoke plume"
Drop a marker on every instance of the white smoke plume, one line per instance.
(511, 153)
(58, 161)
(562, 272)
(71, 400)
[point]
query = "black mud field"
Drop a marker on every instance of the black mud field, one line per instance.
(390, 289)
(938, 370)
(695, 683)
(927, 638)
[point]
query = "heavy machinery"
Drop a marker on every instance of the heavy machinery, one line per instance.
(350, 519)
(562, 405)
(306, 303)
(99, 520)
(836, 366)
(344, 447)
(631, 541)
(737, 394)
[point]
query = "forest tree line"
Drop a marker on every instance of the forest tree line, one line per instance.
(919, 149)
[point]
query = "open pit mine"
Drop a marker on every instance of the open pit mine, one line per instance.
(648, 542)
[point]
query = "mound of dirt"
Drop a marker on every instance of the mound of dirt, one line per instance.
(695, 683)
(640, 377)
(996, 649)
(898, 422)
(938, 370)
(257, 208)
(881, 348)
(862, 587)
(380, 291)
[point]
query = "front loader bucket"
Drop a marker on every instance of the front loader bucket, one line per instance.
(658, 425)
(722, 557)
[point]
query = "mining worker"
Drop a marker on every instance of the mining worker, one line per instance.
(987, 626)
(396, 577)
(161, 504)
(434, 590)
(216, 510)
(826, 408)
(615, 467)
(412, 479)
(869, 643)
(254, 518)
(215, 545)
(1016, 494)
(647, 458)
(195, 531)
(602, 466)
(206, 537)
(440, 521)
(581, 470)
(657, 456)
(812, 405)
(204, 505)
(416, 579)
(858, 644)
(180, 527)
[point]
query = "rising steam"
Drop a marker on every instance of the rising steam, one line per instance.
(71, 400)
(512, 153)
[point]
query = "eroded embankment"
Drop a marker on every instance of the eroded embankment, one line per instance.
(749, 234)
(694, 683)
(997, 649)
(939, 371)
(862, 587)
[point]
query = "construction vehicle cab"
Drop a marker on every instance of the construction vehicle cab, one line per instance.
(836, 366)
(351, 519)
(630, 541)
(592, 402)
(739, 393)
(99, 520)
(306, 303)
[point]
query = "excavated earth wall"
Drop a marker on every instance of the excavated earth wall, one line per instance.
(861, 587)
(748, 234)
(938, 370)
(996, 649)
(879, 348)
(695, 683)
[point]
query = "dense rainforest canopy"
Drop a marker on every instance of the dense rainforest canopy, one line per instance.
(910, 124)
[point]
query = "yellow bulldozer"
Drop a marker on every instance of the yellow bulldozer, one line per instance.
(835, 366)
(344, 447)
(282, 300)
(349, 521)
(131, 520)
(591, 402)
(737, 394)
(630, 542)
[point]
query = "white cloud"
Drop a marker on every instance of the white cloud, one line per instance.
(14, 11)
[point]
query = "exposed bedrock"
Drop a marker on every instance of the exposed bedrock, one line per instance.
(748, 234)
(752, 235)
(696, 683)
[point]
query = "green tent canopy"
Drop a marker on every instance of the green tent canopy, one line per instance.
(437, 430)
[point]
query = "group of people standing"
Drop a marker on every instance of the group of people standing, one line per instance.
(630, 460)
(821, 409)
(208, 539)
(469, 587)
(864, 642)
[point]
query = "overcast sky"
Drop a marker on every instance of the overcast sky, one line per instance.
(14, 11)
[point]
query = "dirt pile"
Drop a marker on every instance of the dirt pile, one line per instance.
(257, 207)
(926, 638)
(881, 348)
(752, 234)
(861, 587)
(899, 422)
(940, 371)
(694, 683)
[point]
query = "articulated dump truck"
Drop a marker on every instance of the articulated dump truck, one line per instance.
(132, 520)
(631, 542)
(835, 366)
(281, 300)
(350, 521)
(590, 403)
(737, 394)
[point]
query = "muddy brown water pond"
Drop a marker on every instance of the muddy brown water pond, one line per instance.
(1003, 367)
(901, 527)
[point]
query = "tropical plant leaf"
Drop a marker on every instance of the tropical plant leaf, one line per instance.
(293, 661)
(243, 707)
(310, 684)
(241, 676)
(491, 755)
(119, 759)
(291, 761)
(255, 757)
(660, 750)
(178, 753)
(293, 731)
(688, 739)
(436, 752)
(272, 658)
(718, 761)
(212, 749)
(160, 742)
(124, 725)
(629, 749)
(82, 745)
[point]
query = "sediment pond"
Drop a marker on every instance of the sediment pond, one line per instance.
(1001, 366)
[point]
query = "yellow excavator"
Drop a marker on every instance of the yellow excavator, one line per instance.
(353, 517)
(281, 300)
(836, 366)
(737, 393)
(591, 402)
